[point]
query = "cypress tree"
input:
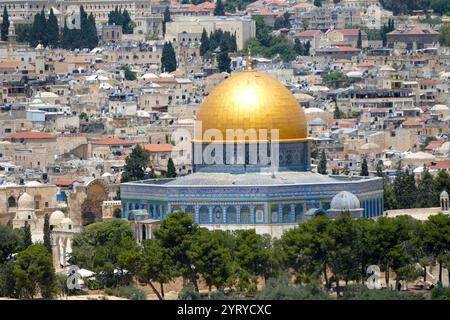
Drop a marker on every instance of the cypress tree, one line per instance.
(171, 171)
(322, 168)
(126, 23)
(219, 10)
(380, 169)
(364, 168)
(359, 41)
(166, 19)
(425, 190)
(27, 235)
(204, 46)
(47, 233)
(52, 29)
(5, 25)
(91, 34)
(223, 61)
(168, 58)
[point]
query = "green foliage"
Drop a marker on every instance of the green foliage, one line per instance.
(129, 75)
(83, 116)
(335, 79)
(279, 289)
(322, 167)
(405, 188)
(120, 18)
(361, 292)
(189, 293)
(177, 234)
(52, 29)
(11, 241)
(219, 10)
(440, 6)
(136, 164)
(204, 46)
(23, 33)
(440, 293)
(407, 6)
(225, 41)
(166, 18)
(282, 22)
(223, 62)
(7, 280)
(444, 36)
(318, 3)
(168, 58)
(47, 233)
(85, 37)
(34, 272)
(103, 247)
(212, 258)
(359, 40)
(268, 45)
(338, 114)
(426, 194)
(171, 171)
(128, 292)
(5, 25)
(27, 241)
(364, 168)
(302, 49)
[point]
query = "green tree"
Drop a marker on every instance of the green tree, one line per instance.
(390, 202)
(444, 36)
(47, 233)
(380, 168)
(318, 3)
(425, 192)
(359, 40)
(219, 10)
(204, 46)
(440, 6)
(166, 18)
(10, 242)
(136, 164)
(212, 257)
(223, 62)
(129, 75)
(168, 58)
(436, 239)
(7, 280)
(5, 25)
(440, 183)
(27, 235)
(171, 171)
(157, 265)
(52, 29)
(322, 167)
(102, 247)
(177, 234)
(90, 32)
(34, 272)
(39, 30)
(364, 168)
(338, 114)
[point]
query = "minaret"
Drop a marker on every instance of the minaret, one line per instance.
(40, 59)
(11, 33)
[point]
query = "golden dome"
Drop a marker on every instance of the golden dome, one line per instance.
(253, 100)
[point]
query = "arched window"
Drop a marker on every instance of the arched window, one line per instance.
(204, 214)
(12, 202)
(245, 215)
(298, 212)
(231, 215)
(217, 214)
(286, 213)
(190, 212)
(150, 211)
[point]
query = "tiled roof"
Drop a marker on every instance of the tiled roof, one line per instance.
(30, 135)
(9, 64)
(110, 141)
(159, 147)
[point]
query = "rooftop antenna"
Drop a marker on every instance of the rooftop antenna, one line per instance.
(249, 59)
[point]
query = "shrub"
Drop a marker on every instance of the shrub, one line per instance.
(361, 292)
(188, 293)
(440, 293)
(128, 292)
(279, 289)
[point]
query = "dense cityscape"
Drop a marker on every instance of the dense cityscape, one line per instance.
(224, 150)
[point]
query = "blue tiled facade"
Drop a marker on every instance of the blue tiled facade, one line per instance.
(274, 204)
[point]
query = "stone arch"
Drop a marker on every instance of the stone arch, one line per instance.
(231, 215)
(217, 214)
(91, 208)
(245, 215)
(12, 203)
(204, 214)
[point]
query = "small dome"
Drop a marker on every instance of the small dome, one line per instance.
(33, 184)
(66, 221)
(318, 122)
(56, 218)
(345, 200)
(444, 194)
(26, 201)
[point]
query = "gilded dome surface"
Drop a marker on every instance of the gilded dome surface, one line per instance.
(253, 100)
